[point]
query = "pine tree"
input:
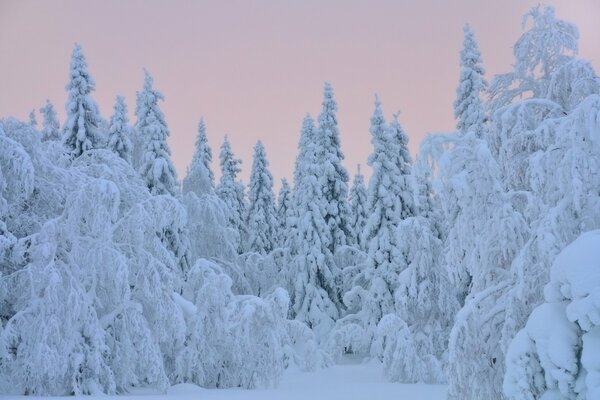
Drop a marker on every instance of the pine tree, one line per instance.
(81, 131)
(358, 203)
(50, 127)
(284, 211)
(231, 191)
(156, 169)
(468, 106)
(203, 151)
(335, 177)
(261, 218)
(119, 133)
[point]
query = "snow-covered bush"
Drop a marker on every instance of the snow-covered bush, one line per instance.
(557, 354)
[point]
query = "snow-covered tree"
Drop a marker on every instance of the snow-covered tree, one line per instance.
(539, 52)
(468, 107)
(390, 200)
(334, 180)
(231, 191)
(156, 166)
(284, 211)
(82, 129)
(261, 217)
(203, 150)
(119, 133)
(358, 203)
(556, 354)
(32, 118)
(50, 125)
(313, 271)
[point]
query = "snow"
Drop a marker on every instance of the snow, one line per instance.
(347, 381)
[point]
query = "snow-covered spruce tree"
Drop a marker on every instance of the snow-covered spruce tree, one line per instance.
(390, 200)
(210, 234)
(307, 140)
(335, 177)
(231, 191)
(313, 272)
(561, 362)
(156, 167)
(32, 118)
(468, 107)
(50, 125)
(284, 212)
(358, 204)
(82, 129)
(119, 133)
(203, 151)
(261, 217)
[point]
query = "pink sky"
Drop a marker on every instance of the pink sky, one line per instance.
(254, 68)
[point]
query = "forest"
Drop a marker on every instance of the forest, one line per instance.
(474, 264)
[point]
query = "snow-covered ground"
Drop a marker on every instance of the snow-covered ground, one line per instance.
(348, 381)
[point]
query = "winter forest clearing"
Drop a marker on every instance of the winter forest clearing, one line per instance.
(470, 272)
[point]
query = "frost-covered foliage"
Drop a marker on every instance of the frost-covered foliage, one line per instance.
(203, 151)
(82, 129)
(231, 191)
(563, 361)
(238, 341)
(315, 297)
(156, 166)
(468, 106)
(358, 204)
(542, 50)
(211, 236)
(261, 217)
(390, 200)
(284, 212)
(334, 178)
(119, 132)
(50, 124)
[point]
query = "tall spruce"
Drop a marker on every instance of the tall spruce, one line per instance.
(284, 211)
(119, 131)
(231, 191)
(261, 218)
(204, 152)
(334, 181)
(468, 107)
(389, 202)
(358, 203)
(156, 168)
(50, 125)
(81, 131)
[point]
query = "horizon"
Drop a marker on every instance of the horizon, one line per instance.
(243, 66)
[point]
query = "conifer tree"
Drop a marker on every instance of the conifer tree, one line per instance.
(231, 191)
(358, 203)
(389, 202)
(261, 218)
(468, 106)
(315, 295)
(81, 131)
(50, 125)
(32, 119)
(203, 151)
(284, 210)
(156, 169)
(119, 132)
(335, 177)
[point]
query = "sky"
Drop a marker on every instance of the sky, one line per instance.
(253, 69)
